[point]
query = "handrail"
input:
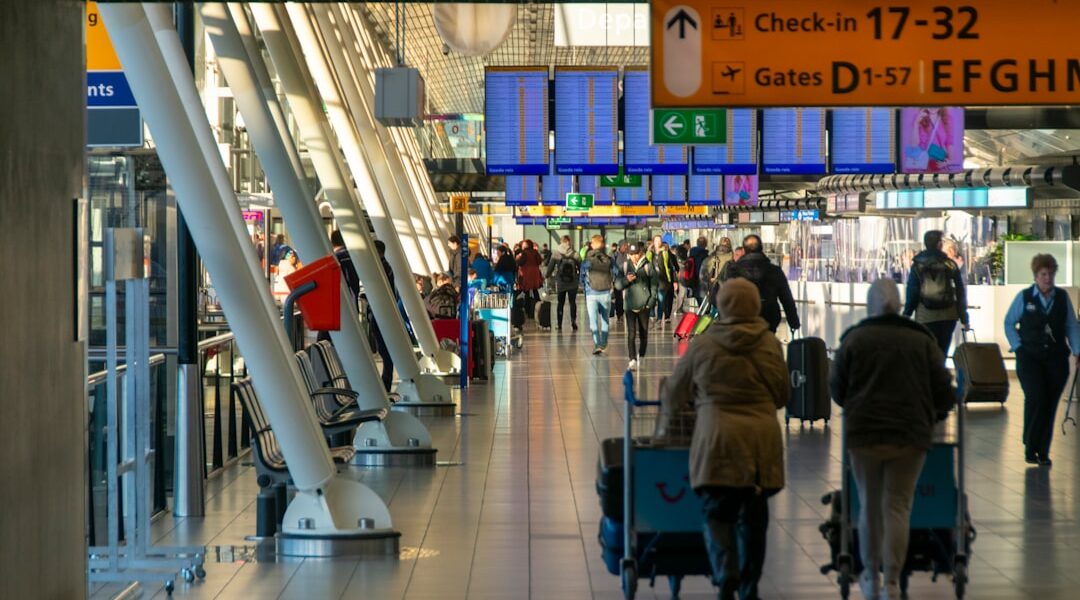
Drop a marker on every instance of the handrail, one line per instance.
(217, 340)
(99, 377)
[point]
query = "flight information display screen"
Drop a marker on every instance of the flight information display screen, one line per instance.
(739, 155)
(863, 140)
(641, 156)
(668, 190)
(635, 196)
(590, 184)
(555, 187)
(705, 190)
(587, 120)
(522, 190)
(516, 120)
(793, 141)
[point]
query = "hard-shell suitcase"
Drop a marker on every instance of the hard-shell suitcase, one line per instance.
(980, 371)
(482, 350)
(543, 317)
(450, 329)
(689, 322)
(517, 310)
(702, 324)
(808, 369)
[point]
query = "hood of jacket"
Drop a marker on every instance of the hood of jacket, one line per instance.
(736, 335)
(563, 250)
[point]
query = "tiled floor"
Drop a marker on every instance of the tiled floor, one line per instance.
(518, 518)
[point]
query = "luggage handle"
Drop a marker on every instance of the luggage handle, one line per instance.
(964, 331)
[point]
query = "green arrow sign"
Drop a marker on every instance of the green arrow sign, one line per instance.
(622, 180)
(698, 126)
(579, 202)
(557, 222)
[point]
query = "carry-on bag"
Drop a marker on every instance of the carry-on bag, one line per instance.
(689, 321)
(517, 310)
(543, 317)
(980, 371)
(482, 350)
(808, 370)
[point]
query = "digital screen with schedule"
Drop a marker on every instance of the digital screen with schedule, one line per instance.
(642, 157)
(793, 141)
(522, 190)
(739, 155)
(863, 140)
(516, 120)
(705, 190)
(587, 121)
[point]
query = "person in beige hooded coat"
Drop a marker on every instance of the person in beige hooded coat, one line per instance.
(736, 378)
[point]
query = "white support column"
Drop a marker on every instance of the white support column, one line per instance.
(165, 90)
(301, 92)
(363, 154)
(297, 204)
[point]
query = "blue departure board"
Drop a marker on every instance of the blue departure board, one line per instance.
(522, 190)
(793, 141)
(590, 184)
(555, 187)
(739, 155)
(668, 190)
(587, 120)
(863, 140)
(636, 196)
(641, 156)
(705, 190)
(516, 120)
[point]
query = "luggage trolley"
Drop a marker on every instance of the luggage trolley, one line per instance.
(494, 307)
(941, 530)
(652, 523)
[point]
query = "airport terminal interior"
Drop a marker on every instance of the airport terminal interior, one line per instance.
(346, 299)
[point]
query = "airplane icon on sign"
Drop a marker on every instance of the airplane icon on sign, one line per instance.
(730, 72)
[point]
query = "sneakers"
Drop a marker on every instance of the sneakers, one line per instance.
(891, 591)
(603, 348)
(573, 326)
(870, 584)
(632, 366)
(596, 350)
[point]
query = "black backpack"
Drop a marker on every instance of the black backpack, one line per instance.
(567, 271)
(936, 286)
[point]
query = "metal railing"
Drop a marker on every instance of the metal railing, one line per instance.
(227, 428)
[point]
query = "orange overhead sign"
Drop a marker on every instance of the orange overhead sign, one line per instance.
(750, 53)
(100, 55)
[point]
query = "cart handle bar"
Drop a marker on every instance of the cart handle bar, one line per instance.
(630, 397)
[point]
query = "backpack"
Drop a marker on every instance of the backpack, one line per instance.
(936, 286)
(688, 274)
(567, 271)
(599, 273)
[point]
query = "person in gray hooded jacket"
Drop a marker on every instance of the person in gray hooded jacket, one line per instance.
(563, 269)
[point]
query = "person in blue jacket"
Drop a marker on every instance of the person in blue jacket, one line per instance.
(1042, 330)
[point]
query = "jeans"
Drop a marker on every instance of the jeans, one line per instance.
(943, 332)
(637, 326)
(1043, 379)
(598, 305)
(563, 296)
(736, 521)
(885, 476)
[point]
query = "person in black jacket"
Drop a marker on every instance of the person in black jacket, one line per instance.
(770, 281)
(348, 271)
(889, 376)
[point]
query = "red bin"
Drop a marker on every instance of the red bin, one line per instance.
(320, 307)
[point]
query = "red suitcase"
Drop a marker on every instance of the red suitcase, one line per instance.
(690, 319)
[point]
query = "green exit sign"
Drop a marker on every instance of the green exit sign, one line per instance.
(698, 126)
(579, 202)
(557, 222)
(620, 181)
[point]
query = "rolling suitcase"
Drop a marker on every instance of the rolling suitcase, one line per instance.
(483, 349)
(543, 316)
(702, 324)
(689, 321)
(517, 310)
(808, 369)
(980, 371)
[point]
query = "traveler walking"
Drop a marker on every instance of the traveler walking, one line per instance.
(889, 376)
(564, 270)
(770, 280)
(691, 271)
(737, 453)
(529, 277)
(638, 281)
(597, 277)
(380, 343)
(714, 266)
(936, 294)
(667, 272)
(1038, 324)
(618, 257)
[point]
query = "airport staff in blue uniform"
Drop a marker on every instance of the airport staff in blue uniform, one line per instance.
(1039, 323)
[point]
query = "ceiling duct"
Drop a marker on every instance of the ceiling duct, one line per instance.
(1063, 178)
(473, 29)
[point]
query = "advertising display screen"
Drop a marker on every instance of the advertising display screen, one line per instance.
(863, 140)
(555, 187)
(705, 190)
(587, 120)
(516, 120)
(641, 156)
(793, 141)
(590, 184)
(932, 140)
(522, 190)
(741, 190)
(668, 190)
(739, 155)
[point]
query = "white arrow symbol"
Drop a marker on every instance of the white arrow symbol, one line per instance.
(672, 125)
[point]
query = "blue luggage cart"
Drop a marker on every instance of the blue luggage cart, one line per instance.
(656, 528)
(941, 529)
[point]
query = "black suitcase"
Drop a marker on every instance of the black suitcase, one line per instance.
(543, 317)
(517, 311)
(483, 349)
(980, 371)
(808, 370)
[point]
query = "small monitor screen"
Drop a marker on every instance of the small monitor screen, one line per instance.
(554, 187)
(705, 190)
(668, 190)
(522, 190)
(741, 190)
(932, 140)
